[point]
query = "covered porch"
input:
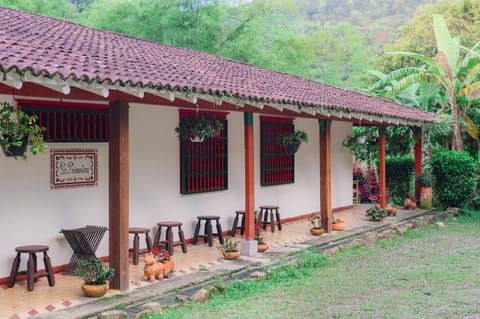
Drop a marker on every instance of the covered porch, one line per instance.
(199, 262)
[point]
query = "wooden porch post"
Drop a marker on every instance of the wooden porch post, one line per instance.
(118, 193)
(417, 150)
(325, 174)
(249, 178)
(382, 167)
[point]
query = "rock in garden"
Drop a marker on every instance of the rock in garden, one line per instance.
(201, 295)
(152, 307)
(258, 275)
(113, 314)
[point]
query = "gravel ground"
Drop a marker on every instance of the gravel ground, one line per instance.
(429, 273)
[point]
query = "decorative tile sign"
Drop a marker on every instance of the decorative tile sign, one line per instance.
(71, 168)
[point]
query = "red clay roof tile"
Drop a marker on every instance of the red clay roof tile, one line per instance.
(50, 46)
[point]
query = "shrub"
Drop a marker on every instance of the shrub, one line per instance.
(399, 174)
(454, 174)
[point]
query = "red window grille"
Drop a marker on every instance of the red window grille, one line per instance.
(277, 167)
(69, 122)
(204, 165)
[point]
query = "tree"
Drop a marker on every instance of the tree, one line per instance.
(455, 75)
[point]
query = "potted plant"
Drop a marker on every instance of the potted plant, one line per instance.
(262, 245)
(376, 214)
(391, 210)
(197, 127)
(95, 274)
(18, 130)
(338, 223)
(409, 202)
(230, 249)
(291, 141)
(425, 182)
(316, 228)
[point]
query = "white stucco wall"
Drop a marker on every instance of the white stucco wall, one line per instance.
(32, 213)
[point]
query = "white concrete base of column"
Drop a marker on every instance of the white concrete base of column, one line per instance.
(248, 248)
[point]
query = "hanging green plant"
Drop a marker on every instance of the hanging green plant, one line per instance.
(197, 127)
(291, 141)
(19, 130)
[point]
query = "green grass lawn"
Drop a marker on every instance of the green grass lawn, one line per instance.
(433, 272)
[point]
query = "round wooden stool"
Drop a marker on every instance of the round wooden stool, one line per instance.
(238, 214)
(136, 250)
(31, 272)
(169, 242)
(269, 215)
(208, 233)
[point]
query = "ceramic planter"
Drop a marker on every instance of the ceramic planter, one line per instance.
(426, 197)
(340, 226)
(292, 148)
(14, 151)
(316, 231)
(262, 247)
(231, 255)
(94, 291)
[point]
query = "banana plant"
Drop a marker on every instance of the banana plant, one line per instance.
(457, 78)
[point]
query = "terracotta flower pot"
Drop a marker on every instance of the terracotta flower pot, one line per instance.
(406, 203)
(262, 247)
(426, 197)
(316, 231)
(231, 255)
(94, 291)
(338, 226)
(392, 210)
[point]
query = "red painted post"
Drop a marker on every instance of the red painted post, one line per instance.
(417, 150)
(249, 177)
(382, 168)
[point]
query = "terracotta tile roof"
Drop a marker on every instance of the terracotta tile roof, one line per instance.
(47, 46)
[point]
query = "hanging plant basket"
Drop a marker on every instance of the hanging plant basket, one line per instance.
(293, 147)
(197, 127)
(197, 139)
(291, 141)
(13, 150)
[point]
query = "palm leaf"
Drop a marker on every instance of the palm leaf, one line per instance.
(445, 43)
(472, 128)
(387, 79)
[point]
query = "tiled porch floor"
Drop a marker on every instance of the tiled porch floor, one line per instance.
(17, 302)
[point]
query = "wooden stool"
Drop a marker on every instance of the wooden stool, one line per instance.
(208, 233)
(238, 214)
(31, 271)
(136, 242)
(168, 242)
(266, 213)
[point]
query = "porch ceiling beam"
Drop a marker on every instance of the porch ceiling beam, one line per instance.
(187, 96)
(168, 95)
(64, 89)
(235, 101)
(16, 84)
(100, 90)
(134, 91)
(256, 104)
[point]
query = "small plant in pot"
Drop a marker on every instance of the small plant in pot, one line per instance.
(338, 223)
(291, 141)
(229, 249)
(376, 214)
(262, 245)
(316, 228)
(19, 130)
(409, 202)
(95, 274)
(425, 182)
(198, 127)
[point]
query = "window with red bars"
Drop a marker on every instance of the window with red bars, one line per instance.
(277, 167)
(69, 122)
(204, 165)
